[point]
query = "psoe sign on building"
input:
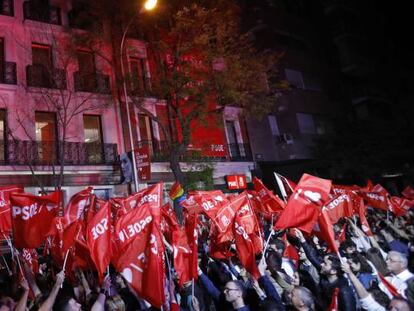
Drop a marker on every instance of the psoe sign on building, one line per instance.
(235, 182)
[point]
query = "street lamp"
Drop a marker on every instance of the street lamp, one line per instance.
(149, 5)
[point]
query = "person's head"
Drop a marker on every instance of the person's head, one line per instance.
(273, 261)
(396, 262)
(233, 291)
(374, 256)
(67, 304)
(331, 266)
(115, 303)
(359, 264)
(126, 167)
(399, 304)
(277, 245)
(348, 247)
(302, 298)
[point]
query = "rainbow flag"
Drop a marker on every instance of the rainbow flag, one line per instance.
(176, 191)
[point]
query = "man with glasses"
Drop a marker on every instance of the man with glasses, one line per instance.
(397, 265)
(233, 292)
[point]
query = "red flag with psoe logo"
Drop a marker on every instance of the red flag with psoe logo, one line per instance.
(5, 213)
(141, 265)
(32, 217)
(182, 256)
(338, 207)
(130, 225)
(303, 207)
(377, 197)
(243, 228)
(98, 238)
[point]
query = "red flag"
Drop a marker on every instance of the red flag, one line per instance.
(182, 256)
(377, 197)
(364, 222)
(290, 251)
(141, 265)
(151, 195)
(408, 192)
(342, 189)
(334, 302)
(270, 202)
(208, 202)
(32, 217)
(130, 225)
(244, 227)
(98, 238)
(5, 213)
(303, 207)
(393, 291)
(400, 206)
(192, 235)
(326, 231)
(75, 209)
(31, 258)
(338, 207)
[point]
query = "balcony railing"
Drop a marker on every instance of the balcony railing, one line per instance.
(20, 152)
(41, 76)
(160, 152)
(6, 7)
(8, 75)
(42, 13)
(92, 82)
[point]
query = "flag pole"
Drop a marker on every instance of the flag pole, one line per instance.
(7, 266)
(267, 241)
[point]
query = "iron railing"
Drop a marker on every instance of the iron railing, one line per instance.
(160, 152)
(91, 82)
(8, 75)
(20, 152)
(41, 76)
(41, 12)
(6, 7)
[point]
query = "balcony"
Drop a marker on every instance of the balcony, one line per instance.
(92, 82)
(41, 12)
(41, 76)
(160, 152)
(6, 7)
(8, 74)
(20, 152)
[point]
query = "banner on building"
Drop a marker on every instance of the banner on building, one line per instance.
(143, 161)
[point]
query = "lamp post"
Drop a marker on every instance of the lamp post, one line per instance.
(149, 5)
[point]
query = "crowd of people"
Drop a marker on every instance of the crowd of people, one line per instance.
(297, 272)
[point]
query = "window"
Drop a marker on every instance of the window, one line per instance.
(146, 132)
(232, 139)
(306, 123)
(138, 77)
(87, 76)
(93, 138)
(295, 78)
(2, 135)
(273, 125)
(41, 55)
(46, 136)
(86, 61)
